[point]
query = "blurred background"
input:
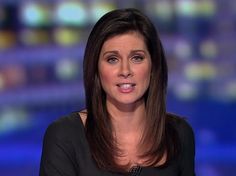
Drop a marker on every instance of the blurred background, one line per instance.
(41, 54)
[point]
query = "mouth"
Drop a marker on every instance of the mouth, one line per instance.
(126, 85)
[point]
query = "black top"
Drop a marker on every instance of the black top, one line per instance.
(66, 152)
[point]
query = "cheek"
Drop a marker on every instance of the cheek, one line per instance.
(105, 78)
(145, 76)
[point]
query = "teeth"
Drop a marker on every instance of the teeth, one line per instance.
(125, 86)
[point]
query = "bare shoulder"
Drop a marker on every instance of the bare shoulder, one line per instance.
(83, 115)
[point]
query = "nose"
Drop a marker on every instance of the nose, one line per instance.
(125, 69)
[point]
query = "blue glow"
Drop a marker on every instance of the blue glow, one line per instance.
(99, 9)
(34, 15)
(71, 13)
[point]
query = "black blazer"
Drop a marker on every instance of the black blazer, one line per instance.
(66, 151)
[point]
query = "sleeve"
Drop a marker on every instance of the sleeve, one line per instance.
(57, 153)
(187, 159)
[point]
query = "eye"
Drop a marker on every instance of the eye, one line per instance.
(112, 60)
(137, 58)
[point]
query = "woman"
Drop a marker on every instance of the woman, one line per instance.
(125, 129)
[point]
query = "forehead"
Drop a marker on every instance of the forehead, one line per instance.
(127, 40)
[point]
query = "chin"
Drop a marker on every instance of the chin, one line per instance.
(129, 101)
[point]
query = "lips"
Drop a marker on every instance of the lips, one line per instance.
(126, 87)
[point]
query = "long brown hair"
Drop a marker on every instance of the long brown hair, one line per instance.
(98, 124)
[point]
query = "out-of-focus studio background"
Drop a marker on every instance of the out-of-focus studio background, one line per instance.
(41, 53)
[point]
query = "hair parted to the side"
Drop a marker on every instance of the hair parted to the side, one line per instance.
(155, 139)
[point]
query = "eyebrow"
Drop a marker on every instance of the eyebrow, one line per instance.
(110, 52)
(117, 52)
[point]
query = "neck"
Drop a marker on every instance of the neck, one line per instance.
(127, 118)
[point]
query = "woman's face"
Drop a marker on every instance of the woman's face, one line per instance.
(124, 68)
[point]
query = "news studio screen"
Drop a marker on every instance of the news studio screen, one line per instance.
(41, 75)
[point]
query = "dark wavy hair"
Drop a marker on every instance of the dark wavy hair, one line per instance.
(157, 138)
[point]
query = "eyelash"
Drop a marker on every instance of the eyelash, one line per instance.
(112, 60)
(136, 59)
